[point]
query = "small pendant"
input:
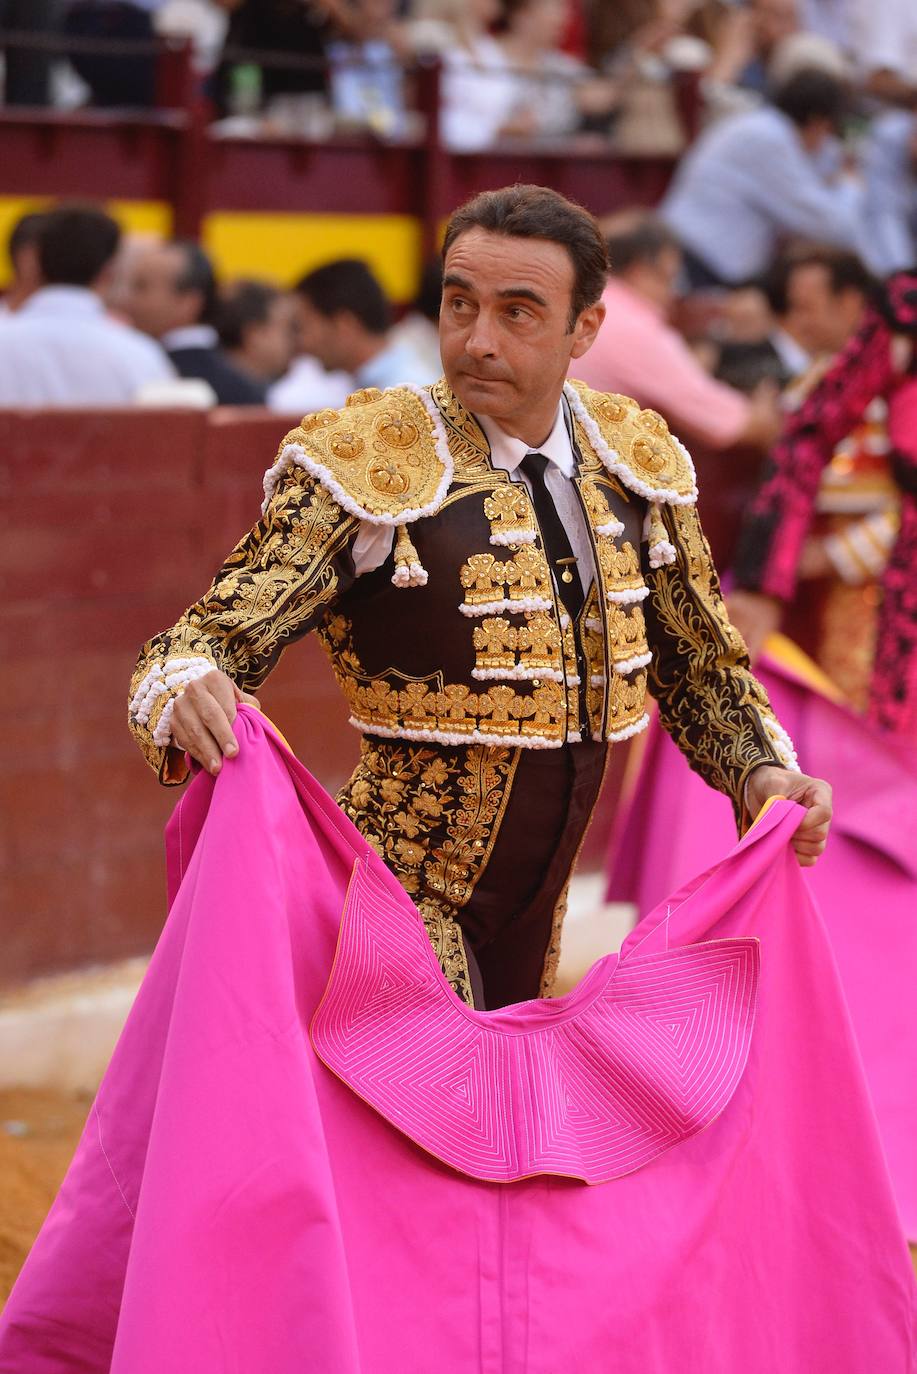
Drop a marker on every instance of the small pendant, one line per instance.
(566, 575)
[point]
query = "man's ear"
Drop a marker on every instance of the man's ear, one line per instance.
(587, 326)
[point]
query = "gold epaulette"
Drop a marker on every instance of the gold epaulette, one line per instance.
(384, 456)
(636, 445)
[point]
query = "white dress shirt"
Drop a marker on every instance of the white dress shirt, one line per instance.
(61, 348)
(373, 543)
(746, 184)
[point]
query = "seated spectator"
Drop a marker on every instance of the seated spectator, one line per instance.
(547, 92)
(345, 320)
(121, 80)
(418, 330)
(746, 40)
(255, 322)
(172, 296)
(307, 387)
(756, 177)
(367, 77)
(890, 171)
(22, 249)
(884, 40)
(638, 353)
(278, 26)
(60, 348)
(27, 72)
(817, 296)
(475, 94)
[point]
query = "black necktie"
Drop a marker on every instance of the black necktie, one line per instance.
(554, 537)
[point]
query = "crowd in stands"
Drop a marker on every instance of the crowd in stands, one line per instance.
(532, 70)
(94, 319)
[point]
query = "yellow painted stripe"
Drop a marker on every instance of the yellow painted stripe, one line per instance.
(273, 247)
(282, 247)
(134, 216)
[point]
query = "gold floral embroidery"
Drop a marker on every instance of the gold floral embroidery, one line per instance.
(528, 575)
(483, 577)
(626, 632)
(495, 641)
(709, 701)
(510, 513)
(433, 815)
(620, 567)
(539, 641)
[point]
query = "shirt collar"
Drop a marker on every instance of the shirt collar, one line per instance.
(190, 336)
(507, 453)
(63, 300)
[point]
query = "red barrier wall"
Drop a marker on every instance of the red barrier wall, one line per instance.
(112, 524)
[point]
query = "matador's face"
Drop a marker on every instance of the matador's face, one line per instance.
(504, 325)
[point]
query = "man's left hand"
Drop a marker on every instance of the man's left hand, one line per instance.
(812, 793)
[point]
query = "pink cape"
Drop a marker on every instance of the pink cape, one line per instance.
(235, 1206)
(866, 882)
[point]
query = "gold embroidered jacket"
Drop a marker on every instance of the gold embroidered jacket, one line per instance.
(459, 639)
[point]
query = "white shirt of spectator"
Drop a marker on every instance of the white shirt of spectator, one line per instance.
(61, 348)
(373, 544)
(885, 36)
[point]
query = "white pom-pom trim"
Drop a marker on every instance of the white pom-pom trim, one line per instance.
(162, 735)
(458, 737)
(522, 604)
(628, 665)
(629, 596)
(413, 575)
(176, 672)
(620, 469)
(597, 680)
(783, 745)
(593, 622)
(509, 537)
(612, 528)
(519, 673)
(615, 736)
(661, 552)
(294, 455)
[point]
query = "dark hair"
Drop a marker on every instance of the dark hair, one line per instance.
(241, 305)
(845, 273)
(636, 236)
(197, 274)
(535, 212)
(348, 284)
(75, 243)
(430, 291)
(27, 229)
(811, 94)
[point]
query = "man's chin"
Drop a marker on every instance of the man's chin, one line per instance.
(475, 392)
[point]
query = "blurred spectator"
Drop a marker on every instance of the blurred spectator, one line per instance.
(884, 39)
(639, 354)
(60, 348)
(172, 296)
(115, 79)
(817, 296)
(256, 326)
(25, 261)
(307, 387)
(345, 320)
(281, 28)
(747, 38)
(547, 91)
(419, 329)
(367, 78)
(475, 94)
(890, 171)
(27, 73)
(755, 177)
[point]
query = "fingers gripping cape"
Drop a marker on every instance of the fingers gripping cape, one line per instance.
(307, 1154)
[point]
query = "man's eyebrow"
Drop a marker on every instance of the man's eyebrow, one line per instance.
(453, 279)
(524, 293)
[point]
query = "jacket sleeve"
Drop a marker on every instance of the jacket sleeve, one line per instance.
(709, 701)
(274, 587)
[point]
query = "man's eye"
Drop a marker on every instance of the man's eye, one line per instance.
(518, 312)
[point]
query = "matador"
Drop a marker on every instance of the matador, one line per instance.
(500, 567)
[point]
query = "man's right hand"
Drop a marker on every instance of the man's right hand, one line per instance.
(202, 719)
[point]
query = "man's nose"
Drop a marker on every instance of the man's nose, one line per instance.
(480, 341)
